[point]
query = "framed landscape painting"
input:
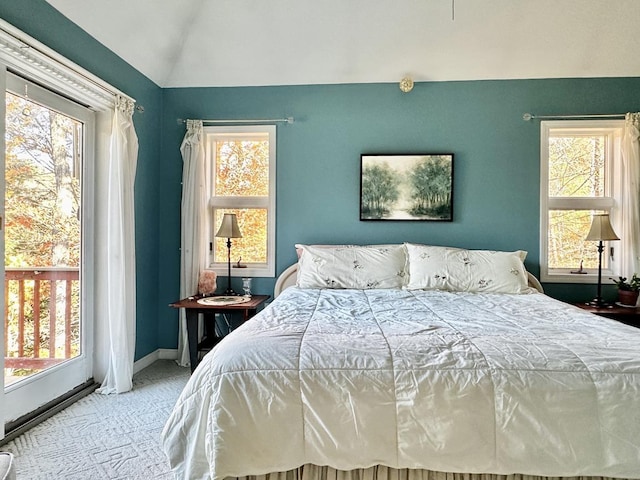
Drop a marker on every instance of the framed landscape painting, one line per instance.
(406, 187)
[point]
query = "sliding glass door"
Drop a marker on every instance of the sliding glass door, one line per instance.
(47, 329)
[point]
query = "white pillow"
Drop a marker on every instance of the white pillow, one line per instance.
(351, 266)
(428, 266)
(460, 270)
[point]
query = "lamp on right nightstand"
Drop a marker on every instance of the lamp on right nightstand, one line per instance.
(601, 231)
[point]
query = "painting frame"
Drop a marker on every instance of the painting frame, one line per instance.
(406, 187)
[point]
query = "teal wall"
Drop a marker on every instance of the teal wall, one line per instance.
(496, 185)
(497, 156)
(38, 19)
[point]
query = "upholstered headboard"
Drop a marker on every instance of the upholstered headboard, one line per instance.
(286, 279)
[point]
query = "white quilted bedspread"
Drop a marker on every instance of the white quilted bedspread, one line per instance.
(453, 382)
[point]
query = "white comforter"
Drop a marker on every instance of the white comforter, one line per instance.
(441, 381)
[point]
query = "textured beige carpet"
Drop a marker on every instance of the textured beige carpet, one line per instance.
(105, 437)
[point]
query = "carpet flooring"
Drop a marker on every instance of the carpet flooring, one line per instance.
(105, 436)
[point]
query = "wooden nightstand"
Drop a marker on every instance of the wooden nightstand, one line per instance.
(193, 309)
(630, 316)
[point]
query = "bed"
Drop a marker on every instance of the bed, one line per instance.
(412, 362)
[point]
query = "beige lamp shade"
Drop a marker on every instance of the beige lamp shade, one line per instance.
(229, 227)
(601, 228)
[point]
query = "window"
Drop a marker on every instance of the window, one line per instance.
(580, 175)
(242, 166)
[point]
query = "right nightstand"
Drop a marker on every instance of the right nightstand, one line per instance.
(630, 316)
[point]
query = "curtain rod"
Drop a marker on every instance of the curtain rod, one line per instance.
(257, 120)
(529, 116)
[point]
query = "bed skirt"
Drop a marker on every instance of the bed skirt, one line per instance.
(314, 472)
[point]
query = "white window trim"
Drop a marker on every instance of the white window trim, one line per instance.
(610, 204)
(254, 270)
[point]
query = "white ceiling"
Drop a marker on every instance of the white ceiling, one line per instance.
(203, 43)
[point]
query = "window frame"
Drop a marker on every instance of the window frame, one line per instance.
(613, 130)
(241, 202)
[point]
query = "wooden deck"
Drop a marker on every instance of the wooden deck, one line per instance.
(39, 332)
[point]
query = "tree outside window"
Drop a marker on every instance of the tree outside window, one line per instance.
(242, 165)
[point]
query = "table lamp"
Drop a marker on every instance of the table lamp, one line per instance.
(600, 231)
(229, 229)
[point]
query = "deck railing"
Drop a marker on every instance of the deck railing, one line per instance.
(41, 300)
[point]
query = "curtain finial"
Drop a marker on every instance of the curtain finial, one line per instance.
(125, 105)
(194, 125)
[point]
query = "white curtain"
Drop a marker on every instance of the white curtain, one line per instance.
(193, 223)
(631, 189)
(120, 241)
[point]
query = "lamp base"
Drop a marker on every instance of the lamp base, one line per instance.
(599, 303)
(230, 292)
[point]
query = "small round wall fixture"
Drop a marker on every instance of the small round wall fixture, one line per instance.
(406, 84)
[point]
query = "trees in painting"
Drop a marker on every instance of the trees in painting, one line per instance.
(431, 187)
(406, 187)
(379, 190)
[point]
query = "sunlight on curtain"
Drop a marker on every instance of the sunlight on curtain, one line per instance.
(631, 199)
(121, 267)
(192, 224)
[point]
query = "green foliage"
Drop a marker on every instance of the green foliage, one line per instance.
(431, 187)
(632, 285)
(380, 188)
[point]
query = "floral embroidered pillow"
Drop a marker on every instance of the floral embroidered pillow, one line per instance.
(462, 270)
(351, 266)
(428, 266)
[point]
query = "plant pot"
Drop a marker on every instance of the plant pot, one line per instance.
(627, 297)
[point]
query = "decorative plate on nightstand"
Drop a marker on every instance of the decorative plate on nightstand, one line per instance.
(221, 301)
(625, 306)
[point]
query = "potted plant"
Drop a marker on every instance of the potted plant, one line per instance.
(628, 289)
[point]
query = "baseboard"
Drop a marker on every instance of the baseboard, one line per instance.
(168, 353)
(160, 354)
(18, 427)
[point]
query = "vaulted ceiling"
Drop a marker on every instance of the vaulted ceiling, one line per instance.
(203, 43)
